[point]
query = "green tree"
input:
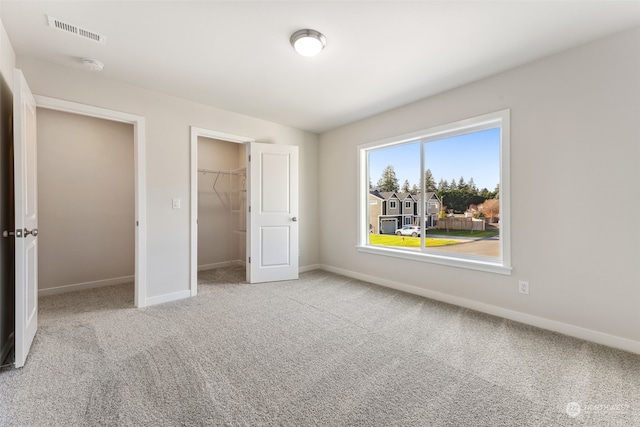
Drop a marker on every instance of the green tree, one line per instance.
(429, 181)
(406, 188)
(459, 200)
(462, 185)
(443, 185)
(472, 186)
(454, 199)
(453, 185)
(388, 180)
(415, 189)
(485, 193)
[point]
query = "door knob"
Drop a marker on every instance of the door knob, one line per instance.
(294, 219)
(33, 232)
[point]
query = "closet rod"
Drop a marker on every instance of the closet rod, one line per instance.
(214, 171)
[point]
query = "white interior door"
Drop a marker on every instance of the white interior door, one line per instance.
(273, 213)
(26, 213)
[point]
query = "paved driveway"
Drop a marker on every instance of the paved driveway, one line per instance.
(485, 247)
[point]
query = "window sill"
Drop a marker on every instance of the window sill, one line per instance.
(478, 263)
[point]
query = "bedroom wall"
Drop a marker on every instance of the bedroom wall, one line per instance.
(167, 122)
(575, 183)
(86, 199)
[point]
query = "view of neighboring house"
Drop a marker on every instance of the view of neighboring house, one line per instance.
(389, 211)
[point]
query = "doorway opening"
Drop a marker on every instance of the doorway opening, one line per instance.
(134, 180)
(219, 208)
(86, 203)
(222, 204)
(270, 206)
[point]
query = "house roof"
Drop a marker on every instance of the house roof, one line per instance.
(386, 195)
(376, 193)
(389, 194)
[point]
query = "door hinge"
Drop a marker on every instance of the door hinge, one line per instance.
(249, 209)
(137, 223)
(249, 260)
(249, 157)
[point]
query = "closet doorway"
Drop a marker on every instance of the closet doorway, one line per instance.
(86, 202)
(122, 213)
(222, 204)
(261, 209)
(219, 210)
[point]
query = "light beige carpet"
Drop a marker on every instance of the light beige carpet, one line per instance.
(323, 350)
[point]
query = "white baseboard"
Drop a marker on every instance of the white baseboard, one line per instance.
(309, 268)
(540, 322)
(161, 299)
(215, 265)
(86, 285)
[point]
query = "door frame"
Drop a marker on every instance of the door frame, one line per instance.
(193, 251)
(140, 184)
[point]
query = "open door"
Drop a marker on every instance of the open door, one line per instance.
(273, 213)
(26, 218)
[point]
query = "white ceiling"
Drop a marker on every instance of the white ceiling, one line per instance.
(236, 55)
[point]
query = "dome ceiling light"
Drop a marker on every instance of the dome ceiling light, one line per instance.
(93, 64)
(308, 42)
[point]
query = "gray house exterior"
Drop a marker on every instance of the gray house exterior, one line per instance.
(389, 211)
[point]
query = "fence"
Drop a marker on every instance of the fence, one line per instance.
(460, 223)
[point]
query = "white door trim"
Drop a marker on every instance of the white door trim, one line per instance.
(193, 252)
(138, 123)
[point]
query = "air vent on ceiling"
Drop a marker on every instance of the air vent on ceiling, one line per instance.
(74, 29)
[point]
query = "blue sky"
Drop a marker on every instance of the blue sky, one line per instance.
(475, 155)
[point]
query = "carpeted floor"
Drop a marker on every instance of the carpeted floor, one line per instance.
(323, 350)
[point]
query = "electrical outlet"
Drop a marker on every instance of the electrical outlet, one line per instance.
(523, 287)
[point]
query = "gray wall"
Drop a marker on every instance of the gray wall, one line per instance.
(85, 201)
(574, 160)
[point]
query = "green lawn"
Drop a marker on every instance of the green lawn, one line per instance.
(463, 233)
(412, 242)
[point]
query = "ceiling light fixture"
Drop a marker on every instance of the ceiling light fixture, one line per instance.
(93, 64)
(308, 42)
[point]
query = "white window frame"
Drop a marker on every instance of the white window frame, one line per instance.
(500, 265)
(393, 204)
(407, 204)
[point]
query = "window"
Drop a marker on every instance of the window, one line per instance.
(460, 171)
(407, 204)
